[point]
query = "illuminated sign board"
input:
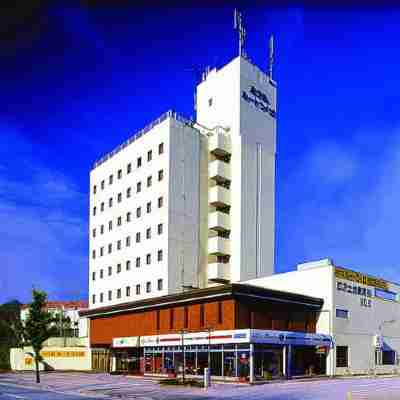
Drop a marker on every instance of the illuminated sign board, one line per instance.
(259, 100)
(367, 280)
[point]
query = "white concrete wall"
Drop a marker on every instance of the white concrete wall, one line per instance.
(179, 215)
(57, 358)
(249, 129)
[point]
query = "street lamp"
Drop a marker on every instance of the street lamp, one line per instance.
(209, 330)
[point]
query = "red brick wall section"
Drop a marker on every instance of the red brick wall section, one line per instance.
(144, 323)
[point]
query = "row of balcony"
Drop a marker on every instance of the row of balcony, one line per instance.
(219, 171)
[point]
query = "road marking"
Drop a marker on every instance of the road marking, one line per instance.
(14, 396)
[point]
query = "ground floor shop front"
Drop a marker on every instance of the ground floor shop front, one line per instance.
(241, 354)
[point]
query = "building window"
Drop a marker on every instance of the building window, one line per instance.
(160, 284)
(342, 356)
(159, 255)
(128, 192)
(210, 101)
(161, 148)
(149, 181)
(101, 251)
(94, 232)
(101, 297)
(158, 320)
(138, 289)
(149, 155)
(109, 248)
(128, 291)
(137, 237)
(138, 187)
(160, 202)
(202, 319)
(119, 221)
(171, 318)
(220, 312)
(110, 201)
(148, 207)
(110, 225)
(110, 180)
(101, 274)
(148, 233)
(101, 229)
(128, 217)
(94, 210)
(128, 265)
(102, 185)
(118, 293)
(388, 357)
(94, 189)
(102, 206)
(129, 168)
(109, 271)
(119, 198)
(185, 317)
(119, 173)
(119, 268)
(109, 295)
(160, 174)
(342, 313)
(93, 254)
(139, 162)
(128, 241)
(137, 262)
(138, 212)
(148, 259)
(118, 244)
(160, 229)
(93, 276)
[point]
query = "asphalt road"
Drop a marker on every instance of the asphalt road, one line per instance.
(13, 392)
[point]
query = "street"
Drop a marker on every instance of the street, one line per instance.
(71, 386)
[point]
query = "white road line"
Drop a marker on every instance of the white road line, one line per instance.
(14, 396)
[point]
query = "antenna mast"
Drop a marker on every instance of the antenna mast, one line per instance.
(271, 55)
(239, 26)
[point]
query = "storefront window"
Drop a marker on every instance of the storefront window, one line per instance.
(216, 363)
(168, 361)
(229, 363)
(388, 357)
(190, 363)
(243, 363)
(202, 361)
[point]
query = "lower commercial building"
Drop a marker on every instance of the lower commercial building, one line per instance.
(237, 330)
(361, 313)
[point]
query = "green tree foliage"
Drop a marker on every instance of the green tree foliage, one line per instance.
(39, 326)
(10, 331)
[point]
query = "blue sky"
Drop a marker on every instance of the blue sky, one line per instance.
(81, 80)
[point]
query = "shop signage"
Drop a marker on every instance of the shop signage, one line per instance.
(130, 341)
(56, 354)
(367, 280)
(259, 100)
(287, 337)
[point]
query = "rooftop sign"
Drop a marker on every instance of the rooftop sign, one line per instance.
(353, 276)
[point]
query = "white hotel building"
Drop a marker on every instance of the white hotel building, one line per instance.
(189, 204)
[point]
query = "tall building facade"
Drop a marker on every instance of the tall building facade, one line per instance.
(186, 204)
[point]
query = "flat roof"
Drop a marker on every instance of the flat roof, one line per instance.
(238, 290)
(143, 131)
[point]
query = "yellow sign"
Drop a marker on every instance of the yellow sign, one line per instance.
(353, 276)
(28, 361)
(62, 354)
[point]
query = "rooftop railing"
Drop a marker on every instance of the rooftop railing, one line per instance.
(137, 135)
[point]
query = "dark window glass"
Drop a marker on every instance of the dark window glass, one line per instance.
(119, 173)
(139, 162)
(161, 148)
(160, 284)
(149, 155)
(129, 168)
(160, 175)
(342, 356)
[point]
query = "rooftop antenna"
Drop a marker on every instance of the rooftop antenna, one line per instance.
(239, 26)
(271, 55)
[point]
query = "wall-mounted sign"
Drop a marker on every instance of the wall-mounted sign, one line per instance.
(357, 290)
(259, 100)
(130, 341)
(360, 278)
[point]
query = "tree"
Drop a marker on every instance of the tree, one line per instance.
(39, 326)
